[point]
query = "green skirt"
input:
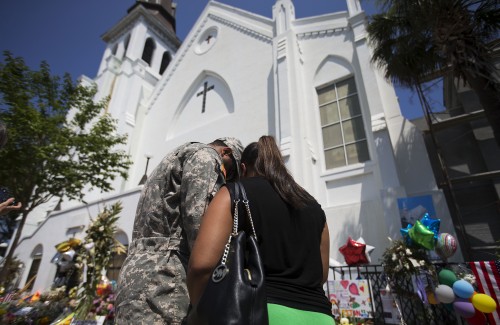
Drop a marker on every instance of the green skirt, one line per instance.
(281, 315)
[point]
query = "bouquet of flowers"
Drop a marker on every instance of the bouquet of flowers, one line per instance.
(400, 260)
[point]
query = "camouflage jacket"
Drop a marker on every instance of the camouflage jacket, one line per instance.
(152, 283)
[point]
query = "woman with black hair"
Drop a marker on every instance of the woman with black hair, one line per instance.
(293, 239)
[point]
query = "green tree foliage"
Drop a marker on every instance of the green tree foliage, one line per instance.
(60, 142)
(418, 40)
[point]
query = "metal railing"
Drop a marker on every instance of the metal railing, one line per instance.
(410, 305)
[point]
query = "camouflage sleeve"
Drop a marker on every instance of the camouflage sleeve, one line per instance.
(200, 181)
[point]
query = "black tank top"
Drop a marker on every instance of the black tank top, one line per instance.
(289, 241)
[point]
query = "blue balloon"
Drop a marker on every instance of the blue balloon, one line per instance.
(406, 235)
(463, 289)
(431, 224)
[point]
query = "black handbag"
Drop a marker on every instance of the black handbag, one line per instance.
(235, 292)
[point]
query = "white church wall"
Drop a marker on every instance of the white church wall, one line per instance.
(178, 105)
(323, 68)
(360, 219)
(234, 66)
(331, 52)
(105, 82)
(388, 170)
(409, 149)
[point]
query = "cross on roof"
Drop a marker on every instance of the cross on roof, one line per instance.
(204, 93)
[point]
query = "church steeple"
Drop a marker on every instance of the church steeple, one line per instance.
(164, 10)
(146, 36)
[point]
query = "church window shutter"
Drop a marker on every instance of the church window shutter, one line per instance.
(343, 131)
(149, 48)
(165, 61)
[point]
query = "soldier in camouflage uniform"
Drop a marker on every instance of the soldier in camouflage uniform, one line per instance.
(152, 282)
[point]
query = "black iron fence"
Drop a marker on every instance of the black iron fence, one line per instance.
(410, 305)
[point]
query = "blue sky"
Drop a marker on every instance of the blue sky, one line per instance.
(67, 33)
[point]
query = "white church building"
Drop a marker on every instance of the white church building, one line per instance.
(308, 82)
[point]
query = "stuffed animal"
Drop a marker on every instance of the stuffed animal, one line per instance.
(344, 321)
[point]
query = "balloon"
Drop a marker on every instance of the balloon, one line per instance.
(431, 298)
(368, 250)
(446, 245)
(422, 294)
(68, 255)
(406, 236)
(431, 224)
(74, 242)
(63, 247)
(422, 236)
(463, 289)
(354, 252)
(464, 309)
(68, 244)
(444, 294)
(477, 319)
(484, 303)
(447, 277)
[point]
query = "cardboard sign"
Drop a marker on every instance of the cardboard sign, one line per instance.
(351, 298)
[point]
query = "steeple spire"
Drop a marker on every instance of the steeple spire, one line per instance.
(162, 9)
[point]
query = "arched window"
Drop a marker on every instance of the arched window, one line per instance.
(165, 61)
(149, 48)
(115, 48)
(36, 257)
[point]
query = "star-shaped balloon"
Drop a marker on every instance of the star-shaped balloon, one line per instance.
(406, 236)
(354, 252)
(368, 249)
(422, 236)
(431, 224)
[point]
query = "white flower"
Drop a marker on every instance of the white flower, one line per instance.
(470, 278)
(422, 262)
(408, 251)
(394, 257)
(407, 266)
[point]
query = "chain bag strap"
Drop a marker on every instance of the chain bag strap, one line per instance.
(221, 270)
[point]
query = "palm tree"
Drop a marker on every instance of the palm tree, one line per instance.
(417, 40)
